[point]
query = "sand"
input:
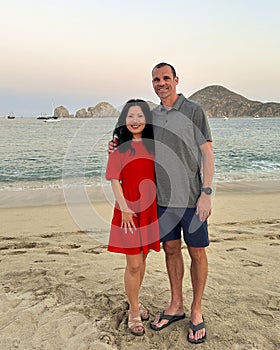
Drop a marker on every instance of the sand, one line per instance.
(61, 289)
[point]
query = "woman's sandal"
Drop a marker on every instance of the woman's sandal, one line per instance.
(144, 312)
(135, 326)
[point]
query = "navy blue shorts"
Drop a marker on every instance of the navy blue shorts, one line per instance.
(174, 220)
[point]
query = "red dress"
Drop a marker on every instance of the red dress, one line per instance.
(137, 176)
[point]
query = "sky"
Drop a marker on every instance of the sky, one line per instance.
(79, 53)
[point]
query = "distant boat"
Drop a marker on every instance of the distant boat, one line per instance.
(52, 120)
(43, 116)
(226, 118)
(48, 118)
(11, 116)
(257, 117)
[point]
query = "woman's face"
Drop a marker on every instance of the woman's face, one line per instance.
(135, 121)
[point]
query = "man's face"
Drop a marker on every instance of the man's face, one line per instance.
(164, 83)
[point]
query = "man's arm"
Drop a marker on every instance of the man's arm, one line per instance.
(204, 205)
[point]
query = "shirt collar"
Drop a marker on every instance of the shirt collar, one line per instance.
(177, 105)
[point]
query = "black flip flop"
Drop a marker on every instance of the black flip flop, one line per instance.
(169, 318)
(196, 328)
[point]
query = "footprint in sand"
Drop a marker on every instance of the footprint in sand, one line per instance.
(235, 249)
(272, 236)
(48, 235)
(71, 246)
(216, 240)
(95, 250)
(273, 303)
(17, 252)
(50, 252)
(251, 263)
(231, 239)
(17, 248)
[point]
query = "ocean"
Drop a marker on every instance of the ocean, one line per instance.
(37, 155)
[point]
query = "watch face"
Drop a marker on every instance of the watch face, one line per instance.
(207, 190)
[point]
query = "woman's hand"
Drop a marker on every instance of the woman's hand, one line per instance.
(127, 220)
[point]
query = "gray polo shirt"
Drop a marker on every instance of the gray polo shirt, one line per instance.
(178, 133)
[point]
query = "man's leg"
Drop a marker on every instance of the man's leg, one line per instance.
(175, 269)
(199, 270)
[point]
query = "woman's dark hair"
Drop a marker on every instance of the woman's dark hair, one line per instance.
(125, 136)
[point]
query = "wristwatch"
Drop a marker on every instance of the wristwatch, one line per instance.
(207, 190)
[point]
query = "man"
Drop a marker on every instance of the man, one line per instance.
(183, 150)
(181, 131)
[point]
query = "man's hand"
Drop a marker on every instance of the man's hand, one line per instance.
(204, 207)
(111, 147)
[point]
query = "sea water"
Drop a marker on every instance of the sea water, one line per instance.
(37, 155)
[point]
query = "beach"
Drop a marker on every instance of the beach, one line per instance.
(61, 289)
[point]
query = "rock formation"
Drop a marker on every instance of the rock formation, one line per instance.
(81, 113)
(61, 112)
(152, 105)
(102, 109)
(217, 101)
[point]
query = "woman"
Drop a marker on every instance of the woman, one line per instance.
(134, 228)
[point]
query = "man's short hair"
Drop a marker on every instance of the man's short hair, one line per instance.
(162, 64)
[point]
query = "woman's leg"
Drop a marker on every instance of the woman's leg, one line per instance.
(143, 269)
(133, 277)
(144, 312)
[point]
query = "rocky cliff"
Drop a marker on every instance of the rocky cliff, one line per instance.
(217, 101)
(61, 112)
(152, 105)
(102, 109)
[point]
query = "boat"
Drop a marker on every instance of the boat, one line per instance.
(43, 116)
(257, 116)
(11, 116)
(226, 118)
(52, 120)
(49, 118)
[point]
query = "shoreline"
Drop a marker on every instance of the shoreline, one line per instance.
(56, 196)
(44, 210)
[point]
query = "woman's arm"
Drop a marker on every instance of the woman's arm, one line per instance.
(127, 214)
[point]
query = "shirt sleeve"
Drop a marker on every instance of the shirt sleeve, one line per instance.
(113, 170)
(201, 127)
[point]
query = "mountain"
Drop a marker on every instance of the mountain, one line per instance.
(217, 101)
(152, 105)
